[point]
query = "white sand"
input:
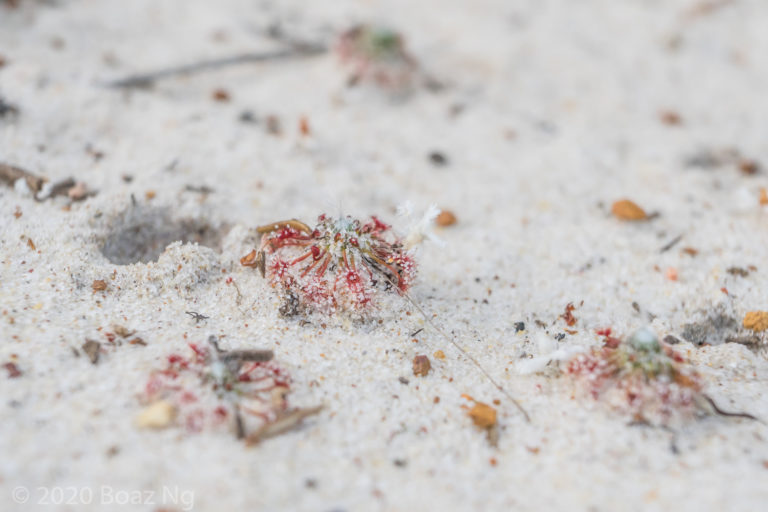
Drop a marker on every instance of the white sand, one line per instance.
(580, 84)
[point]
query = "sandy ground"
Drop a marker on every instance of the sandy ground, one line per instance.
(551, 111)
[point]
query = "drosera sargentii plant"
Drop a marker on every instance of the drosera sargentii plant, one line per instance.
(343, 265)
(643, 378)
(209, 388)
(376, 54)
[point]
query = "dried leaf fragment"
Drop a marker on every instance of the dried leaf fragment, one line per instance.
(763, 196)
(483, 415)
(99, 285)
(421, 366)
(255, 260)
(756, 320)
(249, 260)
(670, 118)
(10, 174)
(304, 126)
(625, 209)
(445, 218)
(122, 331)
(283, 423)
(749, 167)
(738, 271)
(78, 192)
(570, 320)
(159, 414)
(439, 354)
(221, 95)
(92, 347)
(12, 369)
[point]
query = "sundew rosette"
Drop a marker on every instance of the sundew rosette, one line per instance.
(342, 264)
(641, 377)
(377, 55)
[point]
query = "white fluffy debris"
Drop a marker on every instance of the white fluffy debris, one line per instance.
(419, 228)
(548, 352)
(22, 188)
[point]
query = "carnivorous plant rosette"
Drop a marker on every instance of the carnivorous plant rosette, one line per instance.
(341, 264)
(642, 376)
(376, 54)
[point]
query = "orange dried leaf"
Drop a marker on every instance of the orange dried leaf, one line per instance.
(756, 320)
(249, 260)
(625, 209)
(483, 415)
(445, 218)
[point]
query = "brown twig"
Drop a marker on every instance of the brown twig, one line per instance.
(283, 423)
(721, 412)
(146, 80)
(9, 174)
(671, 243)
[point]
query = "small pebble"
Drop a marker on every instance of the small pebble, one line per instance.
(439, 159)
(421, 366)
(221, 95)
(670, 118)
(160, 414)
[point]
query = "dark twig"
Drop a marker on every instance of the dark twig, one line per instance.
(197, 316)
(671, 243)
(146, 80)
(234, 359)
(721, 412)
